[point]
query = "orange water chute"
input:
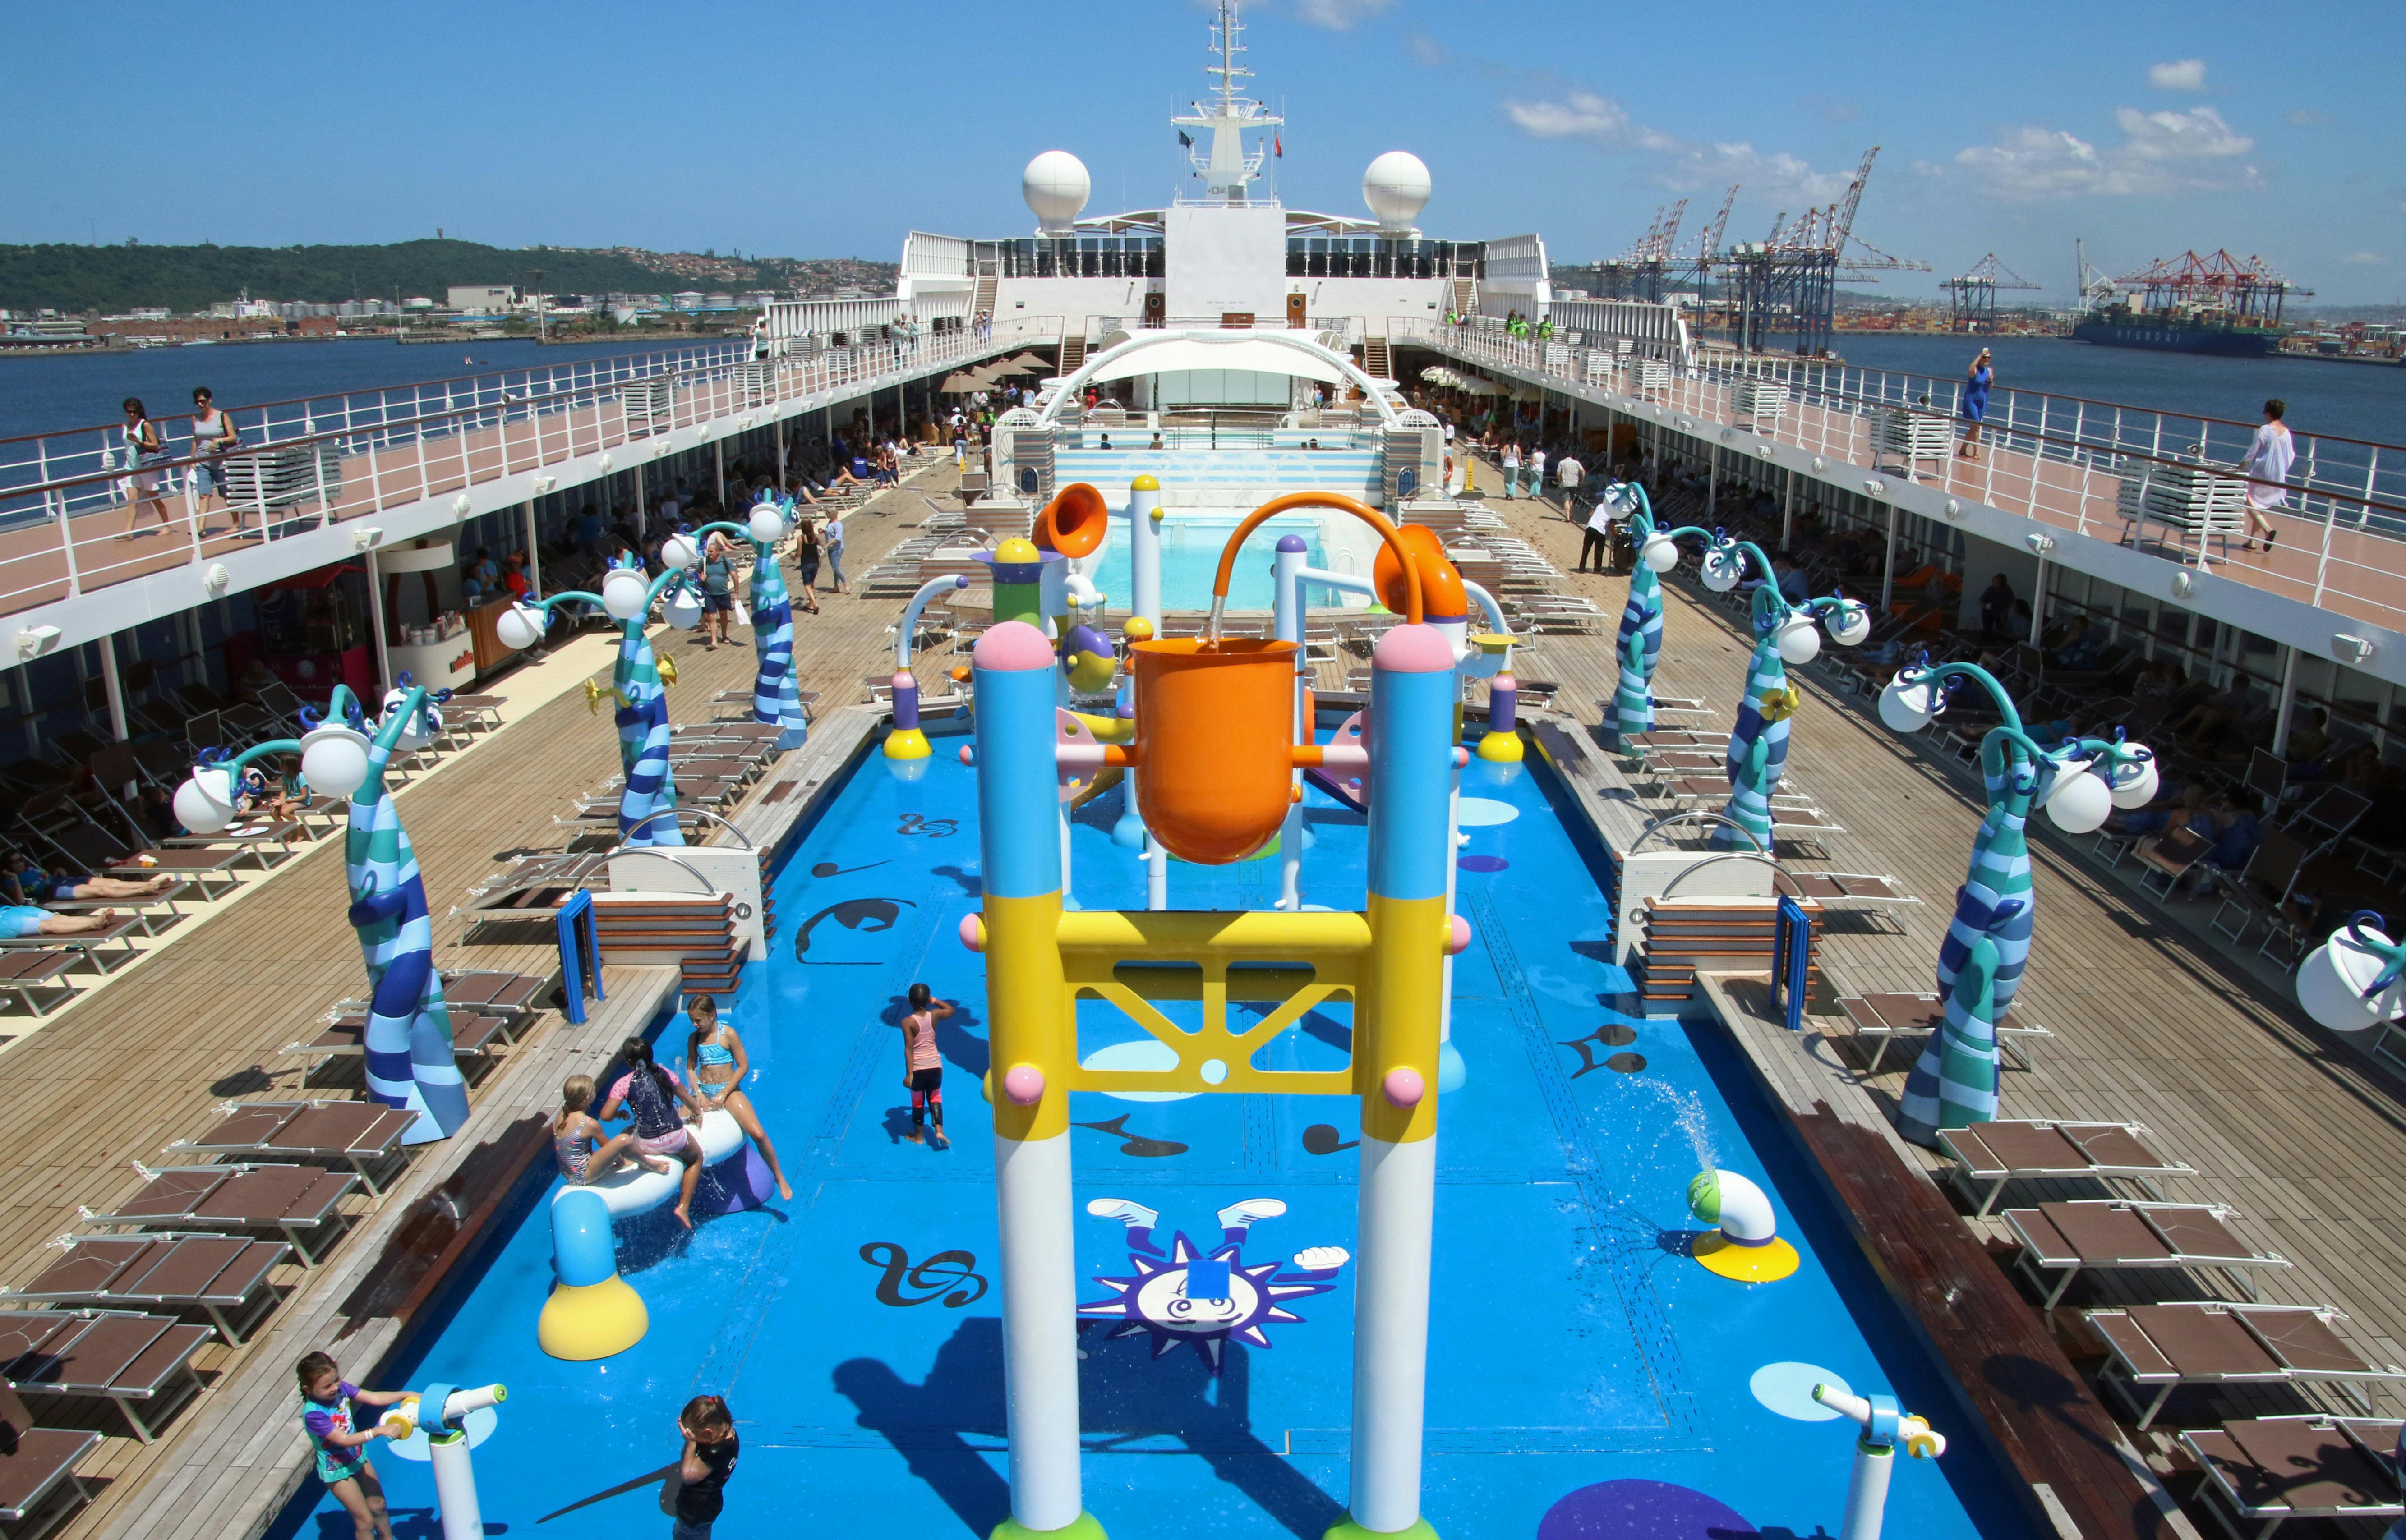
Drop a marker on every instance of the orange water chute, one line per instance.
(1362, 511)
(1074, 522)
(1441, 590)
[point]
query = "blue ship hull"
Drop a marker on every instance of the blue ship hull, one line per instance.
(2168, 337)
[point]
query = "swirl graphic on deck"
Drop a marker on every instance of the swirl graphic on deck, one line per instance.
(948, 1276)
(866, 915)
(934, 828)
(1201, 1297)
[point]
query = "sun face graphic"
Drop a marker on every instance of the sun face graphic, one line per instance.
(1202, 1297)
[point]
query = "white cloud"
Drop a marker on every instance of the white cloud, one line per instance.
(2181, 75)
(2160, 153)
(1337, 15)
(1424, 49)
(1584, 115)
(2365, 258)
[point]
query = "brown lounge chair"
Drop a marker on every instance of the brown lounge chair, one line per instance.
(200, 867)
(472, 1037)
(1880, 1018)
(106, 950)
(2112, 1234)
(38, 1485)
(122, 1355)
(298, 1201)
(28, 975)
(1836, 890)
(2169, 1346)
(249, 837)
(2269, 1470)
(224, 1276)
(476, 713)
(494, 992)
(1998, 1153)
(142, 907)
(364, 1133)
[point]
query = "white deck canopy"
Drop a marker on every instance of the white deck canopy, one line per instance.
(1265, 352)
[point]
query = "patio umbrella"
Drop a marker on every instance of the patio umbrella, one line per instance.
(962, 383)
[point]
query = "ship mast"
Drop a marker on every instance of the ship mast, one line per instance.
(1227, 167)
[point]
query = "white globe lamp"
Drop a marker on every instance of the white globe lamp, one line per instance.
(2136, 781)
(679, 552)
(1721, 570)
(1056, 186)
(205, 803)
(1907, 707)
(2077, 802)
(767, 526)
(624, 592)
(1660, 553)
(2333, 983)
(684, 609)
(520, 626)
(1849, 623)
(1396, 188)
(335, 761)
(422, 727)
(1798, 639)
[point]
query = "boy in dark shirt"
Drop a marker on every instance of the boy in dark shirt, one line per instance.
(697, 1494)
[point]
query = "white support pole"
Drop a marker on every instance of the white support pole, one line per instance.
(718, 458)
(1867, 1491)
(455, 1488)
(534, 548)
(1039, 1329)
(1144, 556)
(376, 624)
(1788, 519)
(1887, 570)
(114, 686)
(1287, 625)
(1390, 1299)
(2280, 723)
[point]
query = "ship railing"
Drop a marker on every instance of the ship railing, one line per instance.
(2162, 482)
(65, 496)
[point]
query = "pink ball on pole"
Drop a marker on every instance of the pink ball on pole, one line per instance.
(1024, 1083)
(1404, 1086)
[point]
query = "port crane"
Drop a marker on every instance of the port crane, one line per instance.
(1789, 282)
(1973, 297)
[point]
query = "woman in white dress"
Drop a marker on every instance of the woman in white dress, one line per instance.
(145, 450)
(2268, 461)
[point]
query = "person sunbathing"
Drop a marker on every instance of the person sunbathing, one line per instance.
(22, 922)
(27, 884)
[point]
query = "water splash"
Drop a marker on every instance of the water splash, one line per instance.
(1688, 1115)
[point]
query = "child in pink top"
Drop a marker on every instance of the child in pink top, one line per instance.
(923, 1067)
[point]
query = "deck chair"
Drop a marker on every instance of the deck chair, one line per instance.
(223, 1276)
(2260, 890)
(38, 1485)
(123, 1356)
(34, 978)
(1843, 890)
(2116, 1235)
(2267, 776)
(302, 1203)
(2165, 1346)
(2322, 820)
(472, 1037)
(106, 949)
(2172, 860)
(1995, 1153)
(364, 1136)
(2267, 1470)
(1880, 1019)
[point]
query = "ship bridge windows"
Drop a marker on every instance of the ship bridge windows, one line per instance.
(1378, 257)
(1080, 257)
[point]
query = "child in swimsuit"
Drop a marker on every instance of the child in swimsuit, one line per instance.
(651, 1096)
(923, 1068)
(329, 1405)
(575, 1136)
(719, 1065)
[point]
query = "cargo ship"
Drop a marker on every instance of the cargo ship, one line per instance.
(2221, 304)
(2171, 331)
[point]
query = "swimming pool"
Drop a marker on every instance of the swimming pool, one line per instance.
(1586, 1377)
(1191, 541)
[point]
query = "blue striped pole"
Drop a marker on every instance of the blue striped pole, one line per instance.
(1758, 746)
(410, 1062)
(1640, 644)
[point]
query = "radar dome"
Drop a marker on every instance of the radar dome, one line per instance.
(1056, 186)
(1396, 188)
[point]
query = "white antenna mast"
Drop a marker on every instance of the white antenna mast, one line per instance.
(1228, 168)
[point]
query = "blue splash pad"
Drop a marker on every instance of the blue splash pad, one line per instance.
(856, 1329)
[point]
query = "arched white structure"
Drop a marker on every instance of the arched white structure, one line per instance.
(1326, 362)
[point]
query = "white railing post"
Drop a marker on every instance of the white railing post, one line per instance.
(2322, 562)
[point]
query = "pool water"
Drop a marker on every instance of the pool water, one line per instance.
(1190, 560)
(1585, 1377)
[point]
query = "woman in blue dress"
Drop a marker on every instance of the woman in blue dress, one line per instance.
(1976, 406)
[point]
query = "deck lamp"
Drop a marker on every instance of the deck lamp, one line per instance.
(205, 803)
(1723, 567)
(2351, 982)
(1660, 553)
(766, 526)
(1798, 639)
(521, 626)
(679, 551)
(334, 760)
(625, 594)
(683, 607)
(1986, 950)
(1849, 622)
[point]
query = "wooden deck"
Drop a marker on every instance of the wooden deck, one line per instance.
(109, 1080)
(2305, 1135)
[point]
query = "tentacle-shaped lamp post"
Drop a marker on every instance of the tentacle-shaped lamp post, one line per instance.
(410, 1063)
(643, 714)
(1784, 633)
(1640, 643)
(1987, 943)
(775, 696)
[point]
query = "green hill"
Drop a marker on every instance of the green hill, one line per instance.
(114, 278)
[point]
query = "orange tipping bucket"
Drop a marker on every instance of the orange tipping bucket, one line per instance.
(1214, 730)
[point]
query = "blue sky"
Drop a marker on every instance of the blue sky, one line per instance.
(806, 129)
